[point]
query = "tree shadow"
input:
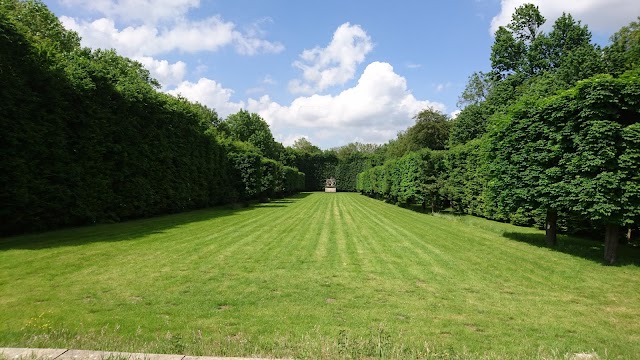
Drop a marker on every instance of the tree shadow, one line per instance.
(129, 230)
(418, 208)
(628, 254)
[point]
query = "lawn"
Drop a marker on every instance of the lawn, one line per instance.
(318, 276)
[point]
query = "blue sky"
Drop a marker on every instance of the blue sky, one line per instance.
(332, 71)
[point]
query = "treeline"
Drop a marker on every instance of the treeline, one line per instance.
(343, 163)
(86, 136)
(550, 136)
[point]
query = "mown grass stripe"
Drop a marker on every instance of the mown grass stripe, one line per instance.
(317, 274)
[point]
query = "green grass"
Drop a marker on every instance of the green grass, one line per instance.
(318, 276)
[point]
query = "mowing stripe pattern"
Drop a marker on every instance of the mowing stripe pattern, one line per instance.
(317, 275)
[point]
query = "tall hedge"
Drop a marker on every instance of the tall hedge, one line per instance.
(347, 171)
(294, 180)
(317, 167)
(86, 137)
(467, 180)
(416, 178)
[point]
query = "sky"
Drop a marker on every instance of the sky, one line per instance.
(331, 71)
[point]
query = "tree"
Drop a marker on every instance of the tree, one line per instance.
(525, 23)
(519, 47)
(348, 150)
(600, 141)
(431, 130)
(40, 25)
(566, 36)
(251, 128)
(624, 52)
(471, 123)
(506, 53)
(477, 89)
(304, 145)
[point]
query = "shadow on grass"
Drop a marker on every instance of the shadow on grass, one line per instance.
(628, 254)
(428, 211)
(590, 249)
(130, 230)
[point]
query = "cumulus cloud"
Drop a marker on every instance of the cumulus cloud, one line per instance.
(147, 11)
(603, 16)
(166, 73)
(332, 65)
(250, 46)
(269, 80)
(147, 40)
(375, 109)
(210, 93)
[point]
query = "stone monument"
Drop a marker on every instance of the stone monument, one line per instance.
(330, 185)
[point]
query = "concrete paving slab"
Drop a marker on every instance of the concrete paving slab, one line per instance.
(22, 353)
(221, 358)
(12, 353)
(64, 354)
(103, 355)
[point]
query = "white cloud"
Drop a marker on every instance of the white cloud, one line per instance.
(168, 74)
(210, 93)
(255, 90)
(147, 11)
(250, 46)
(200, 69)
(375, 109)
(269, 80)
(455, 113)
(443, 86)
(209, 34)
(414, 66)
(603, 16)
(333, 65)
(145, 40)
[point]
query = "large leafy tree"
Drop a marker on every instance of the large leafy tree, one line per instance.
(304, 145)
(431, 130)
(566, 36)
(477, 89)
(598, 145)
(624, 52)
(252, 128)
(471, 123)
(522, 48)
(519, 47)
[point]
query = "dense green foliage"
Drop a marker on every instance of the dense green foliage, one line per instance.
(317, 167)
(417, 177)
(251, 128)
(343, 163)
(87, 138)
(543, 140)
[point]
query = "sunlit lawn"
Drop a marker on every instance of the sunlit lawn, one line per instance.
(318, 275)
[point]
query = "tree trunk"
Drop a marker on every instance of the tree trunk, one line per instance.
(630, 234)
(611, 243)
(551, 227)
(433, 204)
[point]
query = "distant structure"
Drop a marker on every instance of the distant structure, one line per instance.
(330, 185)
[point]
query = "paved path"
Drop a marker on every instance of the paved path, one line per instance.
(68, 354)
